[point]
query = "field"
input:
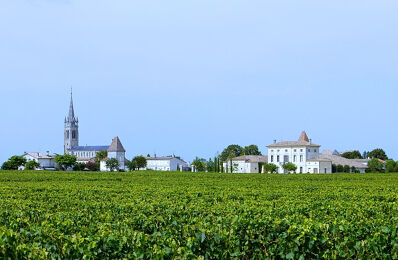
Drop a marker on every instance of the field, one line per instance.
(205, 215)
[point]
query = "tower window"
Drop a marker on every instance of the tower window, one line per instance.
(73, 134)
(67, 133)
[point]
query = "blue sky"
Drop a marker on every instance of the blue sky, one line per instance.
(191, 77)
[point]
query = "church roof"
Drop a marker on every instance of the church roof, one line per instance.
(116, 146)
(71, 115)
(90, 148)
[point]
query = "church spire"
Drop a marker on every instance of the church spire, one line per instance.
(71, 116)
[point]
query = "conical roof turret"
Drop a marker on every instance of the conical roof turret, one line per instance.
(116, 146)
(304, 137)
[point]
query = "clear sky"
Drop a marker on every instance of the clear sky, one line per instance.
(191, 77)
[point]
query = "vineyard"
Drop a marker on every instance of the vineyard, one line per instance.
(206, 215)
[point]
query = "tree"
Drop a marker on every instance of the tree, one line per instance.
(200, 164)
(32, 165)
(139, 162)
(78, 167)
(365, 155)
(339, 168)
(112, 164)
(65, 161)
(289, 167)
(334, 168)
(347, 169)
(251, 150)
(14, 163)
(352, 155)
(210, 165)
(100, 156)
(391, 166)
(233, 150)
(270, 168)
(130, 165)
(353, 169)
(378, 154)
(91, 166)
(374, 165)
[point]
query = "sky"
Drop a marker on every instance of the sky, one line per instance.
(192, 77)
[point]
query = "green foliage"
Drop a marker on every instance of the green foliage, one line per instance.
(210, 165)
(352, 155)
(14, 163)
(32, 165)
(139, 162)
(251, 150)
(57, 215)
(100, 156)
(391, 166)
(112, 164)
(65, 161)
(230, 152)
(339, 168)
(378, 154)
(91, 166)
(200, 164)
(289, 167)
(347, 169)
(375, 165)
(270, 168)
(79, 166)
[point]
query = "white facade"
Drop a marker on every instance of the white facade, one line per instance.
(45, 161)
(303, 153)
(245, 164)
(115, 151)
(168, 163)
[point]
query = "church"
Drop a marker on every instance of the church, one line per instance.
(85, 154)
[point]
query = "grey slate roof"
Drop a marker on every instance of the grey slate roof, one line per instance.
(116, 146)
(252, 158)
(89, 148)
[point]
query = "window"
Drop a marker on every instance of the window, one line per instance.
(272, 158)
(309, 150)
(272, 151)
(301, 158)
(286, 150)
(301, 150)
(295, 150)
(301, 169)
(314, 150)
(278, 151)
(326, 170)
(277, 158)
(73, 134)
(294, 158)
(67, 134)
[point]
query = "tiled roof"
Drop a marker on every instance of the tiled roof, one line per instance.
(89, 148)
(38, 155)
(304, 137)
(359, 164)
(116, 146)
(294, 144)
(251, 158)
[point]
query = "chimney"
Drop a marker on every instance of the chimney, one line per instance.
(310, 141)
(48, 153)
(274, 141)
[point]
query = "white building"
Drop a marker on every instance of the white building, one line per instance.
(303, 153)
(46, 161)
(246, 164)
(115, 151)
(166, 163)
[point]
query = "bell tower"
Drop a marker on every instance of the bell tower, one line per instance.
(71, 128)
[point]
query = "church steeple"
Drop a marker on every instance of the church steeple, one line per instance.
(71, 132)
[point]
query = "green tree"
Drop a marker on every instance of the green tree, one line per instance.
(65, 161)
(347, 169)
(378, 154)
(233, 150)
(391, 166)
(139, 162)
(353, 169)
(375, 165)
(334, 168)
(210, 165)
(289, 167)
(112, 164)
(352, 155)
(270, 168)
(32, 165)
(79, 166)
(251, 150)
(100, 156)
(130, 165)
(339, 168)
(14, 163)
(200, 164)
